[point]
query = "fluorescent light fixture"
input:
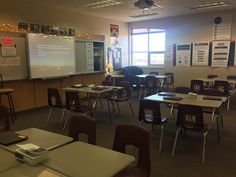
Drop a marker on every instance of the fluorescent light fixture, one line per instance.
(101, 4)
(143, 15)
(211, 5)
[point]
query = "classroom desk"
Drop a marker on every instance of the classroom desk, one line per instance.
(45, 139)
(160, 78)
(199, 101)
(80, 159)
(23, 170)
(7, 160)
(116, 76)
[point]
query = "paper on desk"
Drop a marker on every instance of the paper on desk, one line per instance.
(28, 147)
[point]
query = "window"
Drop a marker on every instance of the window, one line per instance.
(147, 47)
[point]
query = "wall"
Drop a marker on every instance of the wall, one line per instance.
(189, 28)
(32, 93)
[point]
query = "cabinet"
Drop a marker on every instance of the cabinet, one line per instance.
(89, 56)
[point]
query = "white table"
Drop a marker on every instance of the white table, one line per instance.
(45, 139)
(7, 160)
(199, 101)
(23, 170)
(80, 159)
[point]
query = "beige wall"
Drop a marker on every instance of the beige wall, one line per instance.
(33, 93)
(190, 28)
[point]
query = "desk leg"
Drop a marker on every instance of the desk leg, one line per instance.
(217, 127)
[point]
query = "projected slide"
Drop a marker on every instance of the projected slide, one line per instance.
(51, 56)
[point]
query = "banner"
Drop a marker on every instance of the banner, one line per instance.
(200, 54)
(220, 53)
(183, 54)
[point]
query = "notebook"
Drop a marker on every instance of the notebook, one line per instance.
(8, 138)
(172, 98)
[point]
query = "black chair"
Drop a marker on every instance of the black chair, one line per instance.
(191, 118)
(5, 122)
(232, 87)
(83, 125)
(211, 76)
(55, 101)
(169, 82)
(154, 73)
(150, 86)
(197, 86)
(123, 95)
(136, 85)
(184, 90)
(154, 118)
(223, 86)
(73, 105)
(131, 134)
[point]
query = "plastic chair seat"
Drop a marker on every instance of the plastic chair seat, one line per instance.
(6, 91)
(149, 119)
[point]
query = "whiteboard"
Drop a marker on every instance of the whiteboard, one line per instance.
(13, 66)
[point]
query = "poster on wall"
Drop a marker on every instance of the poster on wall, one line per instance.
(222, 27)
(114, 34)
(114, 58)
(200, 54)
(8, 47)
(183, 54)
(169, 55)
(220, 53)
(89, 54)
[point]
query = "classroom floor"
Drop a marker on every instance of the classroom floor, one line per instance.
(220, 158)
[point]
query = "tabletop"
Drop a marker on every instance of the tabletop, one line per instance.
(23, 170)
(86, 160)
(7, 160)
(45, 139)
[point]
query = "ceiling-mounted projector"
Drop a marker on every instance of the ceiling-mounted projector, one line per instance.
(143, 4)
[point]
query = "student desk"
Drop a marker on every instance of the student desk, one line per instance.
(23, 170)
(7, 160)
(80, 159)
(199, 101)
(45, 139)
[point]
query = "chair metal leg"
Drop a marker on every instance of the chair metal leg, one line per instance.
(160, 144)
(228, 103)
(175, 142)
(49, 114)
(66, 120)
(62, 116)
(131, 108)
(204, 147)
(117, 104)
(140, 92)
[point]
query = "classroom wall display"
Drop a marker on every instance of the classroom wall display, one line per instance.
(183, 54)
(50, 55)
(222, 27)
(220, 53)
(200, 54)
(13, 59)
(114, 58)
(114, 34)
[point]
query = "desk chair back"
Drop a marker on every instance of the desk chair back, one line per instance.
(154, 73)
(223, 86)
(1, 81)
(212, 92)
(107, 82)
(72, 99)
(211, 76)
(83, 124)
(131, 134)
(54, 97)
(184, 90)
(197, 86)
(4, 115)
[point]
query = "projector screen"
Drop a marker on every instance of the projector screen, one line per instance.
(51, 56)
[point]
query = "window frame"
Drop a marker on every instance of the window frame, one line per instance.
(148, 52)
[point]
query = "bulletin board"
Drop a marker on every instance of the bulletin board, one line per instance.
(114, 55)
(13, 56)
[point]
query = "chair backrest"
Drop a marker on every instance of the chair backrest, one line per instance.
(134, 81)
(72, 98)
(152, 106)
(107, 82)
(83, 124)
(231, 77)
(154, 73)
(4, 115)
(184, 90)
(197, 86)
(190, 117)
(131, 134)
(212, 92)
(211, 76)
(54, 97)
(170, 80)
(126, 85)
(222, 86)
(151, 82)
